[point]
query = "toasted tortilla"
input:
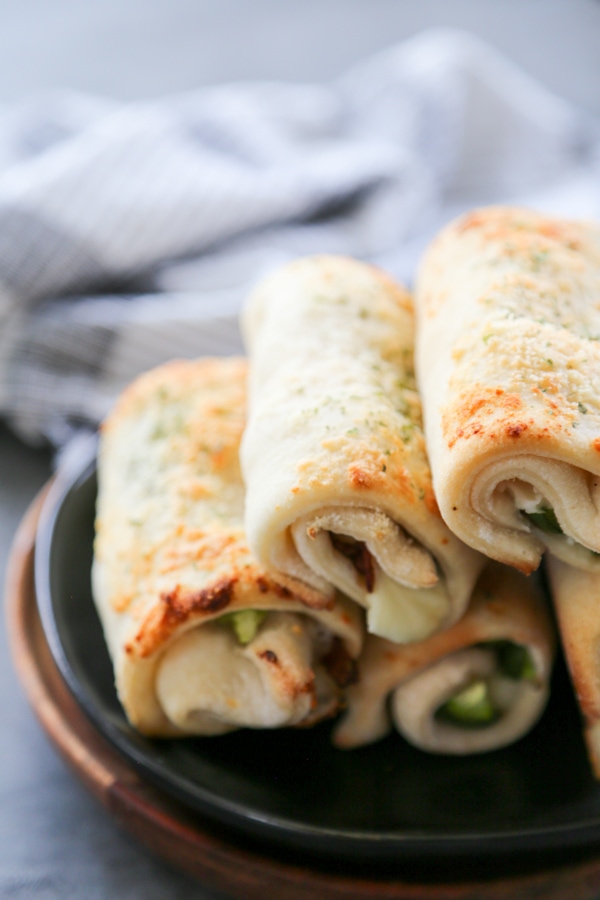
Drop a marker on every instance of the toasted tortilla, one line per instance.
(406, 686)
(171, 561)
(576, 598)
(339, 492)
(508, 365)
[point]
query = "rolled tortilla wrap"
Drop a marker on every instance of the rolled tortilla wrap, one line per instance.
(339, 490)
(202, 639)
(576, 598)
(508, 364)
(478, 686)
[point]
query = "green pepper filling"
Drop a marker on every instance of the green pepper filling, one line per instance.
(545, 519)
(472, 707)
(245, 623)
(514, 660)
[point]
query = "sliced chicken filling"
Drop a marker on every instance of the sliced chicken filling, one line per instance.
(252, 668)
(373, 561)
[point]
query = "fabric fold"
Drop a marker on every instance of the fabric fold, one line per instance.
(478, 686)
(198, 194)
(339, 491)
(508, 365)
(202, 639)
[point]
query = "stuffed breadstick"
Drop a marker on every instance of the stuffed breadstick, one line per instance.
(478, 686)
(202, 639)
(338, 485)
(576, 598)
(508, 365)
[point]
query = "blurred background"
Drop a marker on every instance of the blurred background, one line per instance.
(54, 839)
(132, 49)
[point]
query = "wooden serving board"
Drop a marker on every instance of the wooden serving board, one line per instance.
(183, 838)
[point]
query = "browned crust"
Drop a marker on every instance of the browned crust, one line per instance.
(195, 568)
(491, 415)
(513, 228)
(178, 607)
(533, 401)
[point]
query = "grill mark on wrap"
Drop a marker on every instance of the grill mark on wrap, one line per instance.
(176, 607)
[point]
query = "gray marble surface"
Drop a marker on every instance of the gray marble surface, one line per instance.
(55, 840)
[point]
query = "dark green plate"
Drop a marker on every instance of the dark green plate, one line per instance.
(388, 804)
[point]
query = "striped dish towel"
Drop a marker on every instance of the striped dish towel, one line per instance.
(130, 233)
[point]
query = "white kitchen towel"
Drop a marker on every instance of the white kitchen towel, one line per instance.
(131, 233)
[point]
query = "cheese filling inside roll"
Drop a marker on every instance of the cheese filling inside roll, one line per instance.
(339, 492)
(202, 639)
(508, 362)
